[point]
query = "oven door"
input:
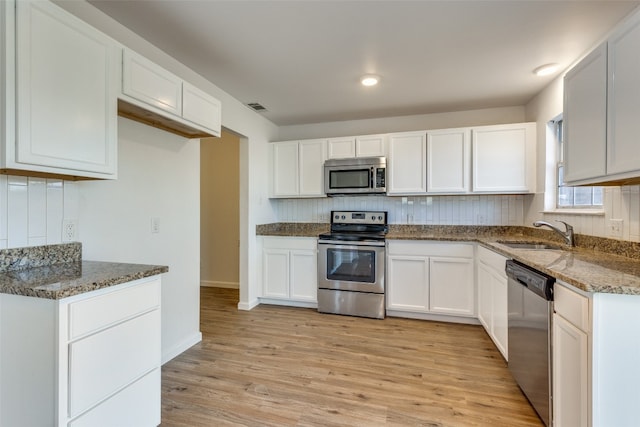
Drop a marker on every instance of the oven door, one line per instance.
(351, 267)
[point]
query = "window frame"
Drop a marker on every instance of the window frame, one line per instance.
(596, 192)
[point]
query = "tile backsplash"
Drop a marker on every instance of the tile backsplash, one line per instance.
(441, 210)
(32, 210)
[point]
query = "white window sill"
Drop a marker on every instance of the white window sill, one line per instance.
(594, 212)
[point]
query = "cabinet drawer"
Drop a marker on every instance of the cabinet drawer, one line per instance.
(572, 306)
(95, 313)
(103, 363)
(136, 405)
(290, 243)
(430, 248)
(492, 259)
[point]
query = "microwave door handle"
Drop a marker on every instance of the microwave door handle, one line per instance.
(372, 182)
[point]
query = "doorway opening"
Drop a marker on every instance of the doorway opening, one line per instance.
(220, 212)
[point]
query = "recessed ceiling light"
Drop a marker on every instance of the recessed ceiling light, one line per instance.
(369, 80)
(545, 70)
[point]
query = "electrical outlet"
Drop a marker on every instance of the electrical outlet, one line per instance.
(69, 230)
(615, 227)
(155, 225)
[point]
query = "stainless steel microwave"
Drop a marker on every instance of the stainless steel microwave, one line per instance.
(361, 175)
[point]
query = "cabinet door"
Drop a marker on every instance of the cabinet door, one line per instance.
(66, 92)
(500, 313)
(503, 158)
(408, 283)
(407, 163)
(585, 117)
(150, 83)
(304, 275)
(311, 167)
(448, 153)
(340, 148)
(201, 108)
(451, 286)
(623, 154)
(275, 265)
(485, 305)
(284, 173)
(371, 146)
(570, 374)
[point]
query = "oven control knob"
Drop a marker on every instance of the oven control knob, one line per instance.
(380, 218)
(337, 217)
(344, 217)
(373, 217)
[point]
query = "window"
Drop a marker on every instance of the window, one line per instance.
(572, 197)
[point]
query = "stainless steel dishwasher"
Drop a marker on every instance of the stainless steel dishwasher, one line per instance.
(530, 306)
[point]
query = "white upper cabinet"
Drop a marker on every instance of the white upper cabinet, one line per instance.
(585, 117)
(153, 95)
(504, 158)
(359, 146)
(371, 146)
(341, 148)
(297, 168)
(201, 109)
(448, 160)
(311, 156)
(623, 153)
(407, 163)
(601, 107)
(65, 93)
(147, 82)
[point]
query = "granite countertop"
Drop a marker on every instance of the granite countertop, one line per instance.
(596, 265)
(57, 271)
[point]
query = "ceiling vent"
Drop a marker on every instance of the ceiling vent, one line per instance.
(256, 106)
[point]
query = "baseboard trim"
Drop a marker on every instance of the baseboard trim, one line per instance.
(181, 347)
(435, 317)
(216, 284)
(248, 305)
(303, 304)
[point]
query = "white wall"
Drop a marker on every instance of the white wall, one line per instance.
(619, 202)
(488, 116)
(158, 177)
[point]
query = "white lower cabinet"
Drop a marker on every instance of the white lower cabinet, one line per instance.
(289, 269)
(430, 277)
(570, 347)
(570, 372)
(88, 360)
(492, 297)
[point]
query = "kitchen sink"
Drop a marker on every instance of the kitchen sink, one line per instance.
(529, 245)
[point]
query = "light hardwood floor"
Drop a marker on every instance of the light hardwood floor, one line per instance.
(283, 366)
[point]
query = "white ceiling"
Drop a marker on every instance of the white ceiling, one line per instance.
(303, 59)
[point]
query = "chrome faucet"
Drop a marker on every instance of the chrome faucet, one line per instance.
(567, 234)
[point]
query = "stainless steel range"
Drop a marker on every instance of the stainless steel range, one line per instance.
(351, 264)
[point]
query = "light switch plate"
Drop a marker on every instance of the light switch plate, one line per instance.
(615, 227)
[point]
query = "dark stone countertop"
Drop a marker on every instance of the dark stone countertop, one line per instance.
(597, 265)
(57, 271)
(64, 280)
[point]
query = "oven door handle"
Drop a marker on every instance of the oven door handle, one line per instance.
(346, 243)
